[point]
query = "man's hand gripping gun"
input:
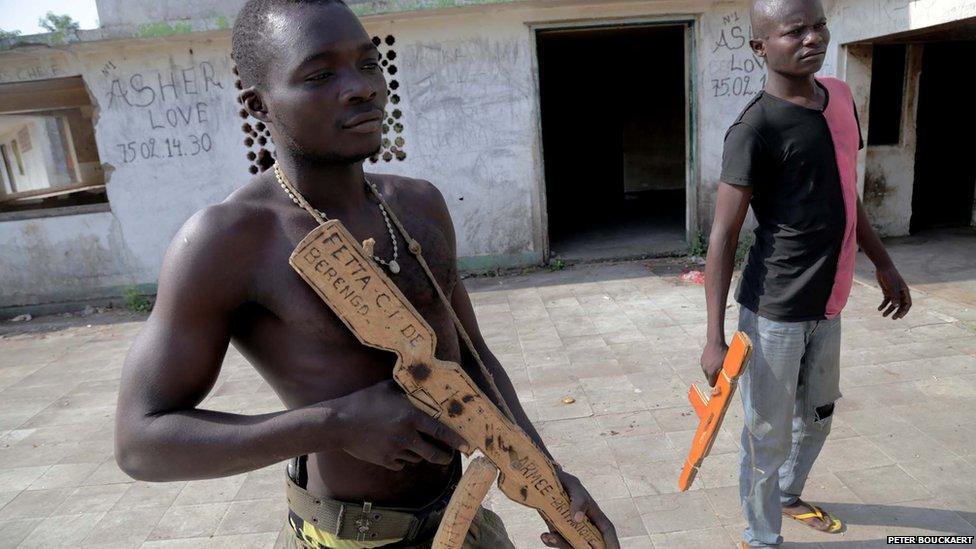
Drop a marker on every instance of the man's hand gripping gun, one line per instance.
(711, 409)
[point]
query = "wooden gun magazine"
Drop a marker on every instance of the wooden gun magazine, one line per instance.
(464, 504)
(332, 262)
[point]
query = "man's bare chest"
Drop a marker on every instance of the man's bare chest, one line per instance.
(280, 291)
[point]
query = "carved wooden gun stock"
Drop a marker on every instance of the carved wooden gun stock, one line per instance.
(332, 262)
(711, 409)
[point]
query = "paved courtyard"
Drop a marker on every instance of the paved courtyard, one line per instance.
(622, 340)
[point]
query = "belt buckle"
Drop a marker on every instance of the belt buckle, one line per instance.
(363, 523)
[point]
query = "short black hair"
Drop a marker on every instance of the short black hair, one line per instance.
(249, 44)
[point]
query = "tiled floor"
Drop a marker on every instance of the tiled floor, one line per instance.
(643, 236)
(622, 340)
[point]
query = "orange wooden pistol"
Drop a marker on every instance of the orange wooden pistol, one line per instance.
(711, 409)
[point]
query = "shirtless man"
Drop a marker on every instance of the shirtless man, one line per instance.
(791, 154)
(310, 72)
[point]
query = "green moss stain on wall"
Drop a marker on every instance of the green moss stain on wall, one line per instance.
(394, 6)
(155, 30)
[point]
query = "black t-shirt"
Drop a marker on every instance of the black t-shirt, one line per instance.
(786, 154)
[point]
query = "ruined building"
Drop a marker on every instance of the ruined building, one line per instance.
(576, 128)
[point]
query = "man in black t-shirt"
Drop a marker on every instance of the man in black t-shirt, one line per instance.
(791, 154)
(783, 154)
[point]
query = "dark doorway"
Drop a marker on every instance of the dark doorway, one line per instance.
(945, 174)
(614, 139)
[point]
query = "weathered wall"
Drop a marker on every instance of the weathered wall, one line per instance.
(471, 126)
(168, 133)
(141, 12)
(729, 76)
(890, 169)
(858, 20)
(484, 107)
(63, 259)
(469, 107)
(887, 172)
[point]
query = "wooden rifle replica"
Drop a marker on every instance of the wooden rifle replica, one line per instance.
(467, 497)
(333, 263)
(711, 409)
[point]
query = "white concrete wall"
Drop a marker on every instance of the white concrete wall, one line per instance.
(168, 126)
(857, 20)
(60, 259)
(469, 103)
(470, 83)
(887, 172)
(471, 117)
(729, 76)
(890, 170)
(153, 185)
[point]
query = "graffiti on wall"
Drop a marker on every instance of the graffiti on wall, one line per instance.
(171, 110)
(31, 72)
(464, 93)
(735, 70)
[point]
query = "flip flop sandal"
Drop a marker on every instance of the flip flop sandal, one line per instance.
(834, 525)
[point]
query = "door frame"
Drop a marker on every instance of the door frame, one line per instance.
(690, 24)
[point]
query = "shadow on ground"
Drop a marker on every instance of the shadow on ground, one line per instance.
(932, 257)
(891, 520)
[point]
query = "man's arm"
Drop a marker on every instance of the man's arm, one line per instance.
(161, 434)
(581, 503)
(461, 303)
(731, 206)
(897, 297)
(462, 306)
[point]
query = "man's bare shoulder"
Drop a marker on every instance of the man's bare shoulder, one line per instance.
(218, 242)
(239, 219)
(419, 195)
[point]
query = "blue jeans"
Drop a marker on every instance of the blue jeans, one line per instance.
(788, 392)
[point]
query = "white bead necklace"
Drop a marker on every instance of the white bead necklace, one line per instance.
(292, 191)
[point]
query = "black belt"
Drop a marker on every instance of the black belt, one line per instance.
(365, 521)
